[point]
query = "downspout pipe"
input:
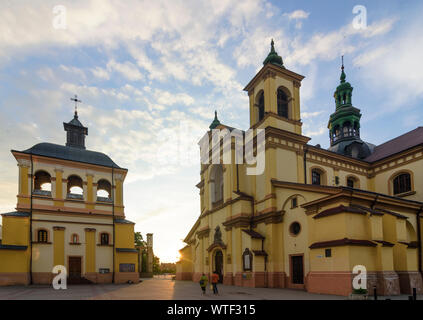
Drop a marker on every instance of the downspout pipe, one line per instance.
(113, 221)
(419, 238)
(305, 164)
(30, 223)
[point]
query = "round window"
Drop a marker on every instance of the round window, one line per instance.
(295, 228)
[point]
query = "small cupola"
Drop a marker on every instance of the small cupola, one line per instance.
(75, 131)
(273, 56)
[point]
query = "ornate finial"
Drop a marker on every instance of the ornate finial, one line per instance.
(215, 114)
(343, 76)
(272, 46)
(75, 99)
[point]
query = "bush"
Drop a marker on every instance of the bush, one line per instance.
(359, 291)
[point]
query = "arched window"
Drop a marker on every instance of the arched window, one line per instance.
(402, 183)
(216, 184)
(42, 236)
(261, 106)
(104, 238)
(104, 190)
(350, 182)
(247, 260)
(42, 183)
(347, 131)
(74, 238)
(316, 177)
(75, 187)
(283, 100)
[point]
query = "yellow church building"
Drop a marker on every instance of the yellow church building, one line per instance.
(313, 214)
(69, 212)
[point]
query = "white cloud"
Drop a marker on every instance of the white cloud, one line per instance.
(100, 73)
(168, 98)
(127, 69)
(298, 14)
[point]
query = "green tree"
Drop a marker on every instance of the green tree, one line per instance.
(139, 240)
(156, 265)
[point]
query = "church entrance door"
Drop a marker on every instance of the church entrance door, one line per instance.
(297, 269)
(74, 269)
(218, 264)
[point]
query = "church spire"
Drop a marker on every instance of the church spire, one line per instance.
(75, 131)
(344, 123)
(273, 56)
(215, 122)
(343, 93)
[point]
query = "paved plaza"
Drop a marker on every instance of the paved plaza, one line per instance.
(158, 289)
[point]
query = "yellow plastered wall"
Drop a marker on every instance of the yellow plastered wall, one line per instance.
(383, 184)
(126, 257)
(339, 261)
(23, 183)
(15, 230)
(366, 256)
(376, 227)
(124, 235)
(14, 260)
(59, 247)
(185, 264)
(90, 246)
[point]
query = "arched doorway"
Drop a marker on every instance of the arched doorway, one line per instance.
(218, 264)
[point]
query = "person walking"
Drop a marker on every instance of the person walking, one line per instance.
(215, 280)
(203, 283)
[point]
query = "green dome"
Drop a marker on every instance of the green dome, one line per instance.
(215, 122)
(273, 57)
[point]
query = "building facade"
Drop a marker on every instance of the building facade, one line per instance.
(313, 214)
(69, 212)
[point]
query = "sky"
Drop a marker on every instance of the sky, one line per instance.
(151, 73)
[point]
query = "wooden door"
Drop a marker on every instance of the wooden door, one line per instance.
(75, 267)
(218, 259)
(297, 269)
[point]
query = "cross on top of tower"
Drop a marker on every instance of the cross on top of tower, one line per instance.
(75, 99)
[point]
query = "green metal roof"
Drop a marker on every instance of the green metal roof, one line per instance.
(57, 151)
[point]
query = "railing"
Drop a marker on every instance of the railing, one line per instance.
(40, 192)
(75, 196)
(104, 199)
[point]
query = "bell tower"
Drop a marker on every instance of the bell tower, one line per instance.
(274, 95)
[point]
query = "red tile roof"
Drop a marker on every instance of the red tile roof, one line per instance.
(398, 144)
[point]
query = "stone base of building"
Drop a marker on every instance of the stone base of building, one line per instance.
(96, 277)
(14, 278)
(340, 283)
(387, 283)
(276, 279)
(409, 280)
(43, 277)
(196, 276)
(250, 279)
(184, 276)
(125, 277)
(228, 279)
